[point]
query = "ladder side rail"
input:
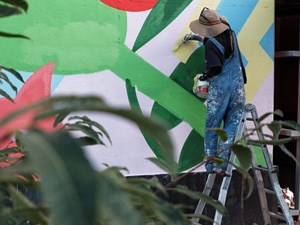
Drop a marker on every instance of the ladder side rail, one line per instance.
(224, 190)
(207, 189)
(283, 205)
(260, 189)
(226, 180)
(272, 173)
(260, 135)
(256, 173)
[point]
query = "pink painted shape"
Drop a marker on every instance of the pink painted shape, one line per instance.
(36, 88)
(131, 5)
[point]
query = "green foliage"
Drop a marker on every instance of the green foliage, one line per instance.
(220, 132)
(73, 192)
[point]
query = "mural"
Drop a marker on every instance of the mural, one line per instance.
(125, 51)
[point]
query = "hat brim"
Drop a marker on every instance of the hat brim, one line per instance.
(207, 31)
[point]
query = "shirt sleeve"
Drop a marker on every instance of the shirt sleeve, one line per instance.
(213, 56)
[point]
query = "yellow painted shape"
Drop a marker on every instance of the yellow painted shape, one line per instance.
(185, 50)
(259, 62)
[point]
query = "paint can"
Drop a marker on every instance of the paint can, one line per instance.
(200, 87)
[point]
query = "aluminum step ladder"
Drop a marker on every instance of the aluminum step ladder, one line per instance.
(284, 214)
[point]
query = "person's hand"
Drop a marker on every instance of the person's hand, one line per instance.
(203, 77)
(187, 37)
(191, 36)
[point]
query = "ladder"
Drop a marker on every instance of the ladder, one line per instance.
(284, 214)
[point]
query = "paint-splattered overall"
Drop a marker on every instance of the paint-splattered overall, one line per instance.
(226, 100)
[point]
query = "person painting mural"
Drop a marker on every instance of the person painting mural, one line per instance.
(226, 76)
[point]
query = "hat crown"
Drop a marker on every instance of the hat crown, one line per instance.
(209, 16)
(209, 23)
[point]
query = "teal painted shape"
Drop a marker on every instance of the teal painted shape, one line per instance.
(237, 12)
(56, 79)
(164, 12)
(267, 42)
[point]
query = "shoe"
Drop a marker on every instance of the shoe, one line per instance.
(211, 172)
(221, 171)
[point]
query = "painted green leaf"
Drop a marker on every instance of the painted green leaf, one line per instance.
(182, 75)
(13, 72)
(164, 12)
(6, 10)
(134, 104)
(192, 152)
(17, 3)
(5, 95)
(10, 35)
(169, 118)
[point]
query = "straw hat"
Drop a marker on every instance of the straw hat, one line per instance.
(209, 24)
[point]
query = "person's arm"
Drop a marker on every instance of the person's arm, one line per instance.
(192, 37)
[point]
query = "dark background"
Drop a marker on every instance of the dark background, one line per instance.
(286, 93)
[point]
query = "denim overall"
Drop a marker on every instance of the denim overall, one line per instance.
(225, 102)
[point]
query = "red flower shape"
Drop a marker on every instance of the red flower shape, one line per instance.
(36, 88)
(131, 5)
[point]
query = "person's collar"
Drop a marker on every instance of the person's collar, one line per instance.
(205, 39)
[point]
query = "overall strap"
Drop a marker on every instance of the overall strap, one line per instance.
(222, 50)
(240, 58)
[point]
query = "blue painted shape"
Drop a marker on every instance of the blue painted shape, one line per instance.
(237, 12)
(267, 42)
(56, 79)
(200, 44)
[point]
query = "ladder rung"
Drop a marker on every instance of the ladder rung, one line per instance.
(256, 144)
(265, 169)
(270, 191)
(295, 212)
(276, 215)
(249, 119)
(262, 168)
